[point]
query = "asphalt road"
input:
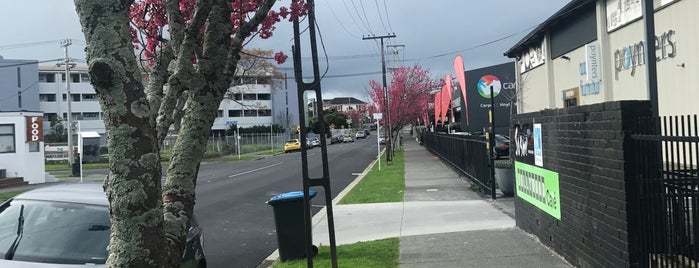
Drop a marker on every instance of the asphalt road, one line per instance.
(238, 225)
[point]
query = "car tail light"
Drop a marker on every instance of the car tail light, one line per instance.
(505, 145)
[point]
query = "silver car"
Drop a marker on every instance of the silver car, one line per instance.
(67, 226)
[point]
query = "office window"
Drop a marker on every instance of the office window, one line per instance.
(249, 96)
(264, 96)
(91, 116)
(47, 97)
(7, 138)
(250, 113)
(74, 97)
(264, 112)
(47, 77)
(235, 113)
(75, 78)
(219, 113)
(85, 77)
(49, 117)
(89, 97)
(237, 96)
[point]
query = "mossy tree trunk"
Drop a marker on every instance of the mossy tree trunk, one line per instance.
(149, 219)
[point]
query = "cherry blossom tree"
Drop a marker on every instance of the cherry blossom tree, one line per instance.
(146, 58)
(408, 97)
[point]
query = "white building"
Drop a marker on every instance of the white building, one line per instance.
(85, 107)
(247, 105)
(22, 146)
(592, 51)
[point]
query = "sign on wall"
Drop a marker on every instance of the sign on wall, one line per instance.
(591, 70)
(524, 143)
(633, 55)
(501, 79)
(539, 187)
(621, 12)
(538, 149)
(534, 57)
(35, 128)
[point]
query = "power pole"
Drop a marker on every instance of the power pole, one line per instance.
(387, 130)
(68, 64)
(394, 49)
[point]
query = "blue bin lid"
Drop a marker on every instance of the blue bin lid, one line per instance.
(290, 196)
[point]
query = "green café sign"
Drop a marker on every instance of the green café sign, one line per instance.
(539, 187)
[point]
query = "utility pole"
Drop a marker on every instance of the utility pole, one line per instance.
(68, 64)
(387, 130)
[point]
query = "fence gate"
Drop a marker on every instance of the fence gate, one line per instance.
(664, 193)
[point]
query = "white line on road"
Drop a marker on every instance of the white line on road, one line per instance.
(257, 169)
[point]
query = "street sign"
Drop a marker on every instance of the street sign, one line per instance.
(378, 116)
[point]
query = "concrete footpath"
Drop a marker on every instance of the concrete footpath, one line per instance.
(441, 223)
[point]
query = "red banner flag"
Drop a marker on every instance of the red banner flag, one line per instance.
(461, 76)
(445, 103)
(437, 107)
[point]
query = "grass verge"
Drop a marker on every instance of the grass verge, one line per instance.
(227, 159)
(378, 186)
(8, 195)
(372, 254)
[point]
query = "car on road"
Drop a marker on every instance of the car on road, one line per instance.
(382, 139)
(315, 142)
(347, 138)
(360, 134)
(68, 226)
(292, 145)
(336, 139)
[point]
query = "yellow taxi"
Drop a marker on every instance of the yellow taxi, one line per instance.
(292, 145)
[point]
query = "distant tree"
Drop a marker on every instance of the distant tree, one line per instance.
(57, 133)
(408, 97)
(338, 119)
(355, 116)
(193, 46)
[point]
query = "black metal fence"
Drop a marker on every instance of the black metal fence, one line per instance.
(664, 193)
(468, 154)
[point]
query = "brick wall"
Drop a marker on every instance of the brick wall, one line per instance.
(585, 145)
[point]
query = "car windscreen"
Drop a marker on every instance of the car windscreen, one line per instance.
(54, 232)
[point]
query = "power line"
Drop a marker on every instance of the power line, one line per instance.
(388, 19)
(339, 21)
(378, 10)
(360, 18)
(361, 3)
(28, 63)
(350, 14)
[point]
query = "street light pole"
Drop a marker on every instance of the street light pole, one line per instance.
(387, 129)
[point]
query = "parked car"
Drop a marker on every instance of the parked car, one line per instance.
(502, 146)
(292, 145)
(67, 226)
(336, 139)
(367, 132)
(360, 135)
(315, 142)
(347, 138)
(382, 139)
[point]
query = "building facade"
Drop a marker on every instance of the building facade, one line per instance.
(18, 85)
(592, 51)
(246, 105)
(22, 146)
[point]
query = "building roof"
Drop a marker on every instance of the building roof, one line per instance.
(343, 100)
(534, 37)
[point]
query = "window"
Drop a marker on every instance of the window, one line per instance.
(47, 97)
(250, 113)
(91, 116)
(33, 146)
(19, 77)
(219, 113)
(75, 78)
(74, 97)
(85, 77)
(47, 77)
(264, 112)
(89, 97)
(7, 138)
(264, 96)
(249, 96)
(237, 96)
(235, 113)
(571, 97)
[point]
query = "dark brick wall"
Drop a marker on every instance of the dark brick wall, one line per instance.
(585, 145)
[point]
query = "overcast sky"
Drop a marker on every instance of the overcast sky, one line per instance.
(432, 33)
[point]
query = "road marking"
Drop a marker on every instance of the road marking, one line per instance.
(356, 174)
(257, 169)
(432, 190)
